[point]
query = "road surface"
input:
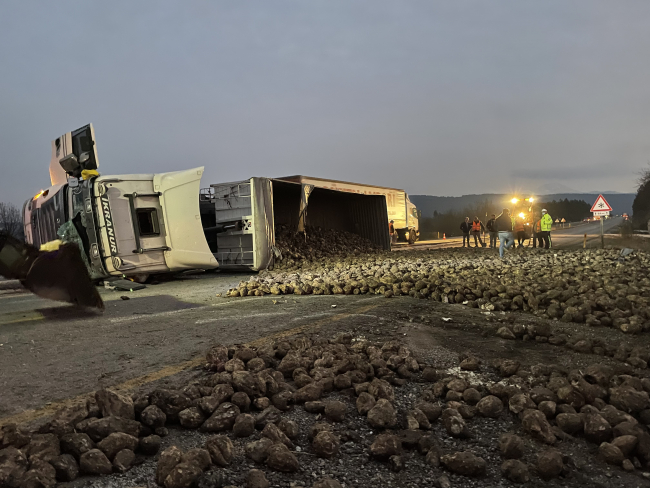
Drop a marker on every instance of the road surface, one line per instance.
(571, 238)
(563, 237)
(50, 351)
(53, 355)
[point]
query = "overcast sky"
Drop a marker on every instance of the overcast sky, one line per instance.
(440, 98)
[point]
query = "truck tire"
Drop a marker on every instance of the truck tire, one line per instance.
(412, 237)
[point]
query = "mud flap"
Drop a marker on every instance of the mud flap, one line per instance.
(57, 275)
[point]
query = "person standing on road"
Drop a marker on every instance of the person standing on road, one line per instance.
(537, 235)
(491, 228)
(503, 225)
(477, 227)
(466, 228)
(520, 232)
(545, 224)
(391, 231)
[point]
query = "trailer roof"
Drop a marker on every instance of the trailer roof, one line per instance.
(299, 178)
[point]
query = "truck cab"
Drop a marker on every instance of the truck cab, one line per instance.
(412, 232)
(120, 223)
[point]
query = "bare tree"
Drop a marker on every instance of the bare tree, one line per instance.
(10, 220)
(644, 176)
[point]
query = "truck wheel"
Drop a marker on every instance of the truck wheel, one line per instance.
(412, 237)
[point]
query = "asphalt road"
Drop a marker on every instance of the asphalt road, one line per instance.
(574, 236)
(50, 351)
(568, 237)
(53, 355)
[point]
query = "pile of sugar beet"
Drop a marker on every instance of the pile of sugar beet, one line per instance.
(316, 244)
(246, 395)
(595, 287)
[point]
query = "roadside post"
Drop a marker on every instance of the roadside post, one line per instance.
(601, 209)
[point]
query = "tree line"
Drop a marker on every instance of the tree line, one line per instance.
(570, 210)
(11, 221)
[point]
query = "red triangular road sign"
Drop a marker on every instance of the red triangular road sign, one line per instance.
(601, 205)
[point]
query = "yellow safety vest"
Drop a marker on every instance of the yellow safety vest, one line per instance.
(546, 222)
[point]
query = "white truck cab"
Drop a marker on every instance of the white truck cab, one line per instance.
(122, 221)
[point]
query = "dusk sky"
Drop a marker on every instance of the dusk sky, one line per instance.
(439, 98)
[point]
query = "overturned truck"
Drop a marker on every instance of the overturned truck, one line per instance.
(264, 204)
(143, 224)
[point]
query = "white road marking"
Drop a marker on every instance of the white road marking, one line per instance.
(130, 318)
(239, 317)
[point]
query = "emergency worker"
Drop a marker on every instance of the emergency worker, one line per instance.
(466, 228)
(492, 230)
(477, 227)
(537, 235)
(545, 224)
(520, 232)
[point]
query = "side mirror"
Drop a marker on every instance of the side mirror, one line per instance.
(70, 164)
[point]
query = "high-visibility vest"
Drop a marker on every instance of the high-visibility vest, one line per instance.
(546, 222)
(476, 226)
(538, 226)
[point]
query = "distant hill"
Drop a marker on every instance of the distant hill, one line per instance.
(620, 202)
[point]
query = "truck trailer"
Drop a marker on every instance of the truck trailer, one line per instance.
(401, 211)
(142, 224)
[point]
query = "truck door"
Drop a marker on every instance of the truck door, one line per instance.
(81, 144)
(251, 202)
